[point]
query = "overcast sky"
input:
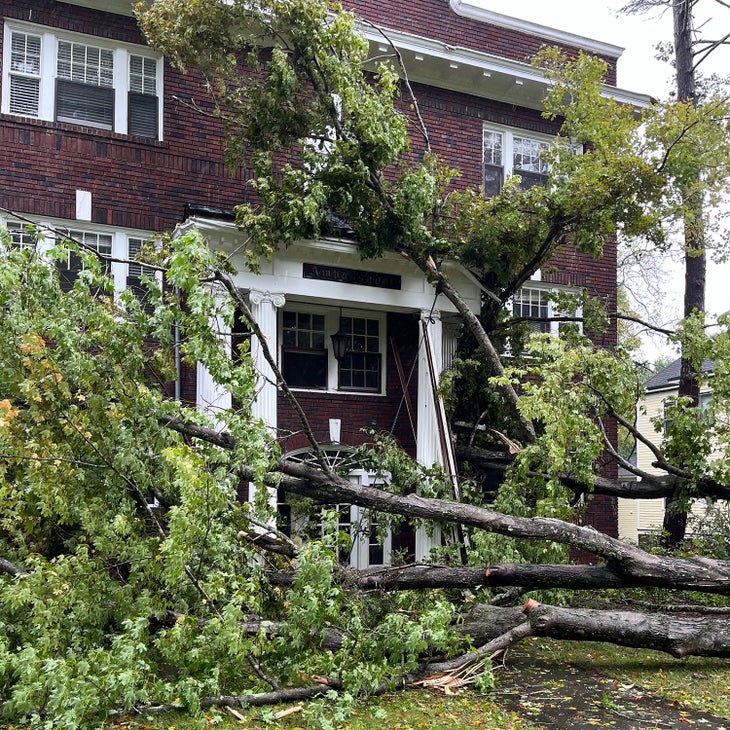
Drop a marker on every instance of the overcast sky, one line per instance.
(638, 70)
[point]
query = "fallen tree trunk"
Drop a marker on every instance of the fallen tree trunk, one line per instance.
(679, 636)
(633, 565)
(628, 561)
(527, 576)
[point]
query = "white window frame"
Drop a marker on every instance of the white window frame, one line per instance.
(508, 136)
(357, 518)
(360, 527)
(20, 238)
(50, 37)
(546, 288)
(332, 325)
(51, 231)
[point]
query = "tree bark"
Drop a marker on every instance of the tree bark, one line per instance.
(695, 264)
(629, 561)
(11, 568)
(679, 636)
(633, 565)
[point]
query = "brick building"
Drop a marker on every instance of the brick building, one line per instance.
(100, 137)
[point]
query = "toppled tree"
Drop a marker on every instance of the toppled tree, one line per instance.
(131, 575)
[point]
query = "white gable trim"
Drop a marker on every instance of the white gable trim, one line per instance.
(465, 10)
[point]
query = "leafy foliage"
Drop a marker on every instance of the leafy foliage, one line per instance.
(142, 577)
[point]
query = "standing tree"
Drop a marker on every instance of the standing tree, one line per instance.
(689, 51)
(131, 576)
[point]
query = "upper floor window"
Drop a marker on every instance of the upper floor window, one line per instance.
(510, 152)
(68, 77)
(538, 305)
(669, 405)
(307, 359)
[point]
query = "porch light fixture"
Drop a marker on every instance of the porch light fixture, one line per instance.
(340, 342)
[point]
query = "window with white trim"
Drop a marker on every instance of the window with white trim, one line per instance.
(79, 79)
(363, 539)
(536, 304)
(21, 235)
(668, 407)
(307, 360)
(113, 246)
(360, 367)
(303, 351)
(508, 152)
(69, 268)
(137, 272)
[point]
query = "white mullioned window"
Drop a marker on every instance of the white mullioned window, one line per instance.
(21, 236)
(306, 356)
(79, 79)
(508, 152)
(535, 302)
(113, 245)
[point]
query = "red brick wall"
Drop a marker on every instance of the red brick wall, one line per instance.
(135, 182)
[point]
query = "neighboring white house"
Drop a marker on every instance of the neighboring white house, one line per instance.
(638, 517)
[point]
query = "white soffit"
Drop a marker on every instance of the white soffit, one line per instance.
(440, 64)
(120, 7)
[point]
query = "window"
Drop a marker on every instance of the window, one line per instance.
(360, 367)
(25, 73)
(70, 267)
(21, 236)
(537, 305)
(705, 400)
(135, 272)
(307, 360)
(304, 355)
(71, 78)
(114, 245)
(533, 305)
(507, 153)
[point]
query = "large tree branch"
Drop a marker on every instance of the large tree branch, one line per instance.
(651, 486)
(472, 323)
(628, 560)
(11, 569)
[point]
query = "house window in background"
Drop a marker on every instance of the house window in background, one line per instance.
(510, 152)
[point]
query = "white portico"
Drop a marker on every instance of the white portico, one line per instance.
(314, 289)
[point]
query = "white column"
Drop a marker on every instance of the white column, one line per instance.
(263, 307)
(428, 445)
(211, 397)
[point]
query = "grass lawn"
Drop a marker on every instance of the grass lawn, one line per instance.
(408, 710)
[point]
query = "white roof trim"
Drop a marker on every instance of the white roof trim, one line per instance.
(486, 62)
(120, 7)
(558, 36)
